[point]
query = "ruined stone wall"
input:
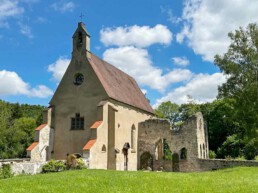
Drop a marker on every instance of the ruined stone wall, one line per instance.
(186, 138)
(214, 164)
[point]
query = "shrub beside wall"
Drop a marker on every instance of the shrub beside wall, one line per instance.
(6, 171)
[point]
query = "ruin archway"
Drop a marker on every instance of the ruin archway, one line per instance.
(146, 160)
(175, 162)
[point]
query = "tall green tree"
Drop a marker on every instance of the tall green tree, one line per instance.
(221, 121)
(168, 110)
(240, 65)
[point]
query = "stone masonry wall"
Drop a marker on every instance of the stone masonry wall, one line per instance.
(152, 131)
(25, 167)
(214, 164)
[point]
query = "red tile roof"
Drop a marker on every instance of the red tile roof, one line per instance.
(32, 146)
(96, 125)
(119, 85)
(40, 127)
(89, 144)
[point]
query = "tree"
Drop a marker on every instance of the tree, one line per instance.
(17, 124)
(240, 65)
(168, 110)
(221, 120)
(231, 147)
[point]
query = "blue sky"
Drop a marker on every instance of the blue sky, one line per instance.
(167, 46)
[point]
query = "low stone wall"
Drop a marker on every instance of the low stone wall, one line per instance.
(214, 164)
(25, 167)
(165, 165)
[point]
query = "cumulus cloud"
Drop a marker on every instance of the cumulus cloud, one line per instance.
(137, 63)
(180, 61)
(63, 6)
(139, 36)
(12, 84)
(59, 67)
(202, 87)
(9, 8)
(207, 23)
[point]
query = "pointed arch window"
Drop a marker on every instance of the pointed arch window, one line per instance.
(133, 138)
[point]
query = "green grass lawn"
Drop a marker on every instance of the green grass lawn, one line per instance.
(233, 180)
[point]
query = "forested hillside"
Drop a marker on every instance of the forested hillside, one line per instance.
(17, 124)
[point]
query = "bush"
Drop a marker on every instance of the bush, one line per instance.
(232, 147)
(80, 164)
(6, 171)
(240, 158)
(256, 158)
(53, 166)
(212, 154)
(251, 149)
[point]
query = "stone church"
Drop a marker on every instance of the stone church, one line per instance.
(98, 109)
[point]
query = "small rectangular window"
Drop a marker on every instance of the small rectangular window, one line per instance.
(77, 122)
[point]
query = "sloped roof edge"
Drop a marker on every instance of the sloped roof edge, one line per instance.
(119, 85)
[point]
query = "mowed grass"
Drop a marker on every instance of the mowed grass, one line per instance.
(233, 180)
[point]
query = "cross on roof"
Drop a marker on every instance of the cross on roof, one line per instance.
(81, 16)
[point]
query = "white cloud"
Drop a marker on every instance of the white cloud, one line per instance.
(207, 23)
(183, 34)
(139, 36)
(41, 91)
(180, 61)
(63, 6)
(59, 67)
(25, 30)
(9, 8)
(12, 84)
(137, 63)
(203, 88)
(171, 17)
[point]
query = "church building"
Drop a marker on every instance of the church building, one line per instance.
(97, 111)
(94, 111)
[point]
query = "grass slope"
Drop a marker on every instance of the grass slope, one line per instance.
(242, 179)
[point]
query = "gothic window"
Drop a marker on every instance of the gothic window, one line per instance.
(133, 137)
(183, 153)
(77, 122)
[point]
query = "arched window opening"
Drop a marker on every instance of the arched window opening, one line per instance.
(183, 153)
(103, 149)
(133, 137)
(159, 150)
(167, 153)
